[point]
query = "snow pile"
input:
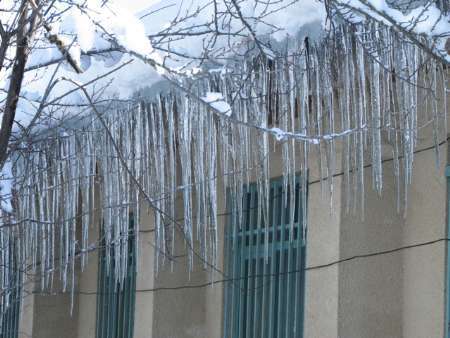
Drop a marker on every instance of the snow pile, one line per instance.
(426, 20)
(87, 28)
(421, 20)
(6, 180)
(216, 101)
(270, 22)
(95, 28)
(90, 27)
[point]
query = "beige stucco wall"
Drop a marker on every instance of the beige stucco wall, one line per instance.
(87, 296)
(145, 281)
(321, 285)
(180, 312)
(26, 316)
(424, 267)
(52, 317)
(370, 288)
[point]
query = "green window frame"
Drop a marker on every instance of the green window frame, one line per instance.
(116, 302)
(10, 317)
(9, 321)
(264, 296)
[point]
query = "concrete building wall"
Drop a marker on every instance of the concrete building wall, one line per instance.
(52, 317)
(424, 267)
(180, 312)
(26, 316)
(56, 311)
(145, 282)
(322, 285)
(370, 288)
(214, 296)
(87, 296)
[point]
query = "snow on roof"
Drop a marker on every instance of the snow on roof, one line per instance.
(131, 25)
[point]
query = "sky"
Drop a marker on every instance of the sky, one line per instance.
(136, 6)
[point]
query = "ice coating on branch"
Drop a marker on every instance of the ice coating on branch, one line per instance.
(279, 134)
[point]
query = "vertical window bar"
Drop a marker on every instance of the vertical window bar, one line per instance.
(109, 300)
(17, 311)
(242, 273)
(282, 270)
(9, 320)
(290, 270)
(99, 298)
(252, 226)
(299, 285)
(266, 261)
(132, 294)
(257, 293)
(273, 278)
(227, 262)
(235, 282)
(133, 270)
(121, 309)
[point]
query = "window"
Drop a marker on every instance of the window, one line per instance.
(264, 296)
(9, 324)
(115, 302)
(9, 327)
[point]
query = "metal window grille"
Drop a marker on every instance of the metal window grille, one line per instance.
(265, 295)
(115, 302)
(10, 314)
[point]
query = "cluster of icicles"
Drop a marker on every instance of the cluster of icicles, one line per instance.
(354, 91)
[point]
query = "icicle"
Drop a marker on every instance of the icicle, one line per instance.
(161, 162)
(172, 176)
(376, 122)
(360, 79)
(368, 76)
(212, 173)
(184, 123)
(199, 176)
